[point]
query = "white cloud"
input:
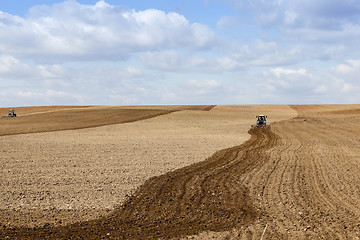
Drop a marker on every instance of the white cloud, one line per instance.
(131, 72)
(9, 65)
(27, 94)
(100, 31)
(300, 85)
(176, 61)
(347, 75)
(48, 94)
(349, 67)
(202, 84)
(71, 53)
(43, 94)
(290, 17)
(348, 72)
(321, 89)
(226, 21)
(323, 29)
(12, 68)
(320, 14)
(228, 64)
(172, 61)
(49, 71)
(202, 91)
(347, 87)
(261, 53)
(283, 71)
(293, 82)
(39, 97)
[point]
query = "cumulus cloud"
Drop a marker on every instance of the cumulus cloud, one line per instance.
(72, 53)
(203, 91)
(39, 97)
(49, 71)
(321, 14)
(302, 86)
(179, 61)
(297, 85)
(173, 61)
(350, 66)
(281, 71)
(202, 84)
(268, 53)
(320, 25)
(12, 67)
(226, 22)
(53, 84)
(70, 30)
(347, 74)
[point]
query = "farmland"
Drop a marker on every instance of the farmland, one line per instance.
(181, 171)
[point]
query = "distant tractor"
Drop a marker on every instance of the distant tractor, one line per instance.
(11, 113)
(261, 122)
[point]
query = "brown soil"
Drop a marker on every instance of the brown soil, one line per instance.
(203, 196)
(299, 180)
(70, 119)
(310, 187)
(57, 118)
(41, 109)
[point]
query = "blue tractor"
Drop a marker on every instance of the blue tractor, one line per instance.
(260, 122)
(11, 113)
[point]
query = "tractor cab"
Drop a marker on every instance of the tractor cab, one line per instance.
(261, 119)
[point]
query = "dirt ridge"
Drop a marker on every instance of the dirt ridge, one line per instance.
(203, 196)
(310, 187)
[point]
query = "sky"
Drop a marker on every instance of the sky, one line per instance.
(161, 52)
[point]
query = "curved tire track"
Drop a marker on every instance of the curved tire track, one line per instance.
(310, 188)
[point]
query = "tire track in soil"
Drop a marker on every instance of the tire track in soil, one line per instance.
(310, 188)
(206, 196)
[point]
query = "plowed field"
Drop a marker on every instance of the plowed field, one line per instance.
(298, 180)
(47, 119)
(310, 187)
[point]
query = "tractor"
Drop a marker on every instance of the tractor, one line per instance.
(261, 122)
(11, 113)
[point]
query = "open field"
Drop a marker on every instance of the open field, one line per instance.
(189, 173)
(47, 119)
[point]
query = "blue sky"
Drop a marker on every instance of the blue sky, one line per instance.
(179, 52)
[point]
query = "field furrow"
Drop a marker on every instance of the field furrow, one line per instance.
(298, 180)
(311, 186)
(203, 196)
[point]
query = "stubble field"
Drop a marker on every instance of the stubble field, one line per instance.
(180, 172)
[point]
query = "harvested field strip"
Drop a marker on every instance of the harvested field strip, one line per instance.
(203, 196)
(176, 107)
(20, 111)
(47, 119)
(74, 119)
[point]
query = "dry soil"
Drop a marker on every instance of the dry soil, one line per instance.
(298, 180)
